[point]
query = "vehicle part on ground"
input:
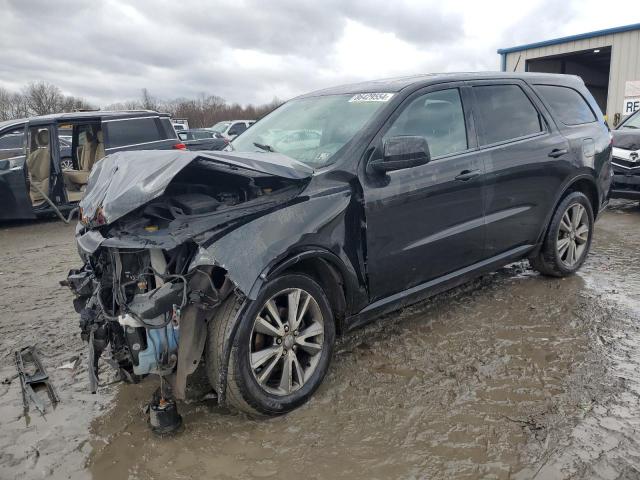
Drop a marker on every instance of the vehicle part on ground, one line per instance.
(568, 238)
(33, 374)
(164, 418)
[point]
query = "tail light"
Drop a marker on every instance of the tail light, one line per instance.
(180, 146)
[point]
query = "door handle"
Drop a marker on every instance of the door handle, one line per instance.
(558, 152)
(466, 175)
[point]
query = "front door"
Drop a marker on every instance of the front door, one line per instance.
(427, 221)
(14, 198)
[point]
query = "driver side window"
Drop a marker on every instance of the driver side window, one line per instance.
(436, 116)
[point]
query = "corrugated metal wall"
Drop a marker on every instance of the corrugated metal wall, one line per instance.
(625, 61)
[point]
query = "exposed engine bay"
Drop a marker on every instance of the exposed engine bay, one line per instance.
(140, 292)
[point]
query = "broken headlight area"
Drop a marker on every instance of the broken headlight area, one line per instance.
(135, 301)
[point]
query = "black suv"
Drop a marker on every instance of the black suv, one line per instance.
(255, 258)
(626, 159)
(47, 160)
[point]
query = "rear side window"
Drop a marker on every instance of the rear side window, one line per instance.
(169, 130)
(133, 131)
(504, 113)
(237, 128)
(567, 105)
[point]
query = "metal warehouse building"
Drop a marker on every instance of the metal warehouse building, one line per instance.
(607, 60)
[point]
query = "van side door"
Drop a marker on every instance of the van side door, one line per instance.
(526, 161)
(426, 221)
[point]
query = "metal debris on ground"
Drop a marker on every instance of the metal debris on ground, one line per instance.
(32, 374)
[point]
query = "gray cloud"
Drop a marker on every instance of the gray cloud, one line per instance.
(242, 50)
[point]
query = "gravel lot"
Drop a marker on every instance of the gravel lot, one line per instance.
(511, 376)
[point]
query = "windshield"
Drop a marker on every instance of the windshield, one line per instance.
(310, 130)
(633, 122)
(220, 127)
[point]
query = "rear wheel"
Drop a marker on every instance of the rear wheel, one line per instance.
(568, 238)
(282, 348)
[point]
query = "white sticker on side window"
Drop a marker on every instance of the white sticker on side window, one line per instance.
(371, 97)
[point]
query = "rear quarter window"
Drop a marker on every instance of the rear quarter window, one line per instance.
(133, 131)
(566, 104)
(169, 130)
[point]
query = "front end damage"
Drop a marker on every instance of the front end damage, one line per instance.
(156, 238)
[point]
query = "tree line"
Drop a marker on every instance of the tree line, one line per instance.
(41, 98)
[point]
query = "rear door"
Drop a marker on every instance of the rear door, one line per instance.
(526, 160)
(427, 221)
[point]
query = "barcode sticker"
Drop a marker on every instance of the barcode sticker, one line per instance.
(371, 97)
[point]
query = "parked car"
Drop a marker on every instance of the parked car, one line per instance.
(626, 159)
(202, 139)
(180, 124)
(254, 259)
(230, 129)
(51, 156)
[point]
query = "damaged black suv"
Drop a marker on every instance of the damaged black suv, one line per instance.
(255, 258)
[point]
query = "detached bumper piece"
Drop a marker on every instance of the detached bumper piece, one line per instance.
(32, 374)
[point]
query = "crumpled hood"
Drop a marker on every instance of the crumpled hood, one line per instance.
(627, 139)
(123, 181)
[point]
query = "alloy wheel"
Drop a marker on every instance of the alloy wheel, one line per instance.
(286, 341)
(573, 235)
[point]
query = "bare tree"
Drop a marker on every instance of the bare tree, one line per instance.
(43, 98)
(147, 101)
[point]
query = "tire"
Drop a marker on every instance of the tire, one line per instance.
(66, 163)
(261, 387)
(554, 259)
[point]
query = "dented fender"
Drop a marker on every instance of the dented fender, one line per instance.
(249, 252)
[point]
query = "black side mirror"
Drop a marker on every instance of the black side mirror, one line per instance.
(402, 152)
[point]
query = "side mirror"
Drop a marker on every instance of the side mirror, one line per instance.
(402, 152)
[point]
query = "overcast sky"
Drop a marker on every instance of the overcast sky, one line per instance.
(252, 51)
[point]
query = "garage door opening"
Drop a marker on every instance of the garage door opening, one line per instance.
(592, 65)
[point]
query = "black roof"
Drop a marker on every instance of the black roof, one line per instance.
(71, 116)
(392, 85)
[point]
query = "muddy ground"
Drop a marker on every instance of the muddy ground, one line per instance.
(511, 376)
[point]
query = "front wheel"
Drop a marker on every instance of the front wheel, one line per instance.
(568, 238)
(282, 348)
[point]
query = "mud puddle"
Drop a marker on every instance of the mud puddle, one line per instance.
(511, 376)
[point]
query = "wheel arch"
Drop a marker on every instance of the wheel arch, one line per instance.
(326, 268)
(582, 183)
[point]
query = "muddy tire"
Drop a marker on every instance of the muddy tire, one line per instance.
(568, 238)
(278, 358)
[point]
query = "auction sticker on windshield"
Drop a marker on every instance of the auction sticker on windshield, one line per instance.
(371, 97)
